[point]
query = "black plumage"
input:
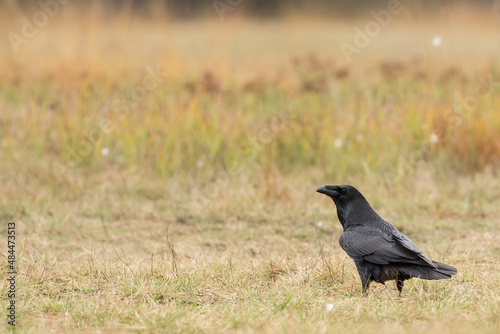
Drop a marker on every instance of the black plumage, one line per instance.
(379, 250)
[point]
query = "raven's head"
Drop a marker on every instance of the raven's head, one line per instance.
(352, 206)
(340, 194)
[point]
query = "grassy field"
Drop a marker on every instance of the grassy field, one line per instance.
(162, 174)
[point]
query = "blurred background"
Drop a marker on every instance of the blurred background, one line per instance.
(234, 104)
(200, 96)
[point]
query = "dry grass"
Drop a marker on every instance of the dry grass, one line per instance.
(192, 208)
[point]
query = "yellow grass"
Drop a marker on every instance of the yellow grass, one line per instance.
(191, 208)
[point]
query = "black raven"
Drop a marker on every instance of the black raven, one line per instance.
(379, 250)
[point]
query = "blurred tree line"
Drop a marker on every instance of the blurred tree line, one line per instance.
(276, 7)
(260, 8)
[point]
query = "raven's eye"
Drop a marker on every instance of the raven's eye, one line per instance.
(343, 191)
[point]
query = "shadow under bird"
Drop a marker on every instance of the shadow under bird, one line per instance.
(380, 252)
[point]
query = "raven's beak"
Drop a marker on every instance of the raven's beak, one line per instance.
(328, 191)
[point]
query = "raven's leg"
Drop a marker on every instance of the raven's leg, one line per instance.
(400, 278)
(365, 274)
(365, 284)
(399, 284)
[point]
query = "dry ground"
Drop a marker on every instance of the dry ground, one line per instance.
(192, 208)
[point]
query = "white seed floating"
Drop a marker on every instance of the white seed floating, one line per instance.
(434, 138)
(436, 41)
(329, 307)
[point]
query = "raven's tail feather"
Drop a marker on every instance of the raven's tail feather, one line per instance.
(443, 271)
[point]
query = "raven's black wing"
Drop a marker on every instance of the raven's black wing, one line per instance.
(362, 243)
